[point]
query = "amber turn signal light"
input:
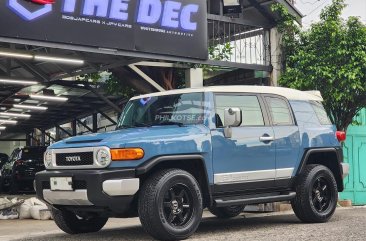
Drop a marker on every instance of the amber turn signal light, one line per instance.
(127, 154)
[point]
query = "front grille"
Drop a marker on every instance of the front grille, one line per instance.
(76, 184)
(29, 173)
(74, 159)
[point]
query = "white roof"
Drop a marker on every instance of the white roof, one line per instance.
(290, 94)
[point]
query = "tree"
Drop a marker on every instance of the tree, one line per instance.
(168, 78)
(330, 57)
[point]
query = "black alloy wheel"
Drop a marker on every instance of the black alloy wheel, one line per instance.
(178, 206)
(321, 195)
(316, 194)
(170, 204)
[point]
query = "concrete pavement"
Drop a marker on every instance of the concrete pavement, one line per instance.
(346, 224)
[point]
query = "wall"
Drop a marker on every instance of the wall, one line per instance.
(7, 147)
(354, 150)
(276, 56)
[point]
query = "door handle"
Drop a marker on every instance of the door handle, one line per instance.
(266, 138)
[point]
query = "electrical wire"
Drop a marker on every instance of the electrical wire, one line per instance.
(316, 8)
(303, 2)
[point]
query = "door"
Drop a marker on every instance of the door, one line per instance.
(287, 138)
(354, 150)
(246, 160)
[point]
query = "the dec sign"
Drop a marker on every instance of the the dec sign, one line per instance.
(173, 27)
(173, 14)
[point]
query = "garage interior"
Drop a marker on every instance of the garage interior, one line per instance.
(47, 94)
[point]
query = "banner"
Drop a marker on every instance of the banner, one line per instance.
(172, 27)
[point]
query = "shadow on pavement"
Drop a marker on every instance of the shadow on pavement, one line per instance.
(207, 227)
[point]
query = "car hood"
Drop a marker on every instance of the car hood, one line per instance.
(123, 137)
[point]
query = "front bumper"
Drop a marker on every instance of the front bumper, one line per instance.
(345, 169)
(111, 190)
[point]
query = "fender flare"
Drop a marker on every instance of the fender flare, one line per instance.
(339, 155)
(150, 164)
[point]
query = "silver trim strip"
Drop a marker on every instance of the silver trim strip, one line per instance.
(237, 177)
(77, 150)
(121, 187)
(77, 197)
(284, 173)
(345, 168)
(253, 176)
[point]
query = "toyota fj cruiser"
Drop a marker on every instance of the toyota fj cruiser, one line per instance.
(177, 152)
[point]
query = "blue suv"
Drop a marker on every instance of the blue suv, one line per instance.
(177, 152)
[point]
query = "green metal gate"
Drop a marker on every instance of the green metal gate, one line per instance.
(355, 154)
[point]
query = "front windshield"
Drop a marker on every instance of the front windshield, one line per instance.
(180, 109)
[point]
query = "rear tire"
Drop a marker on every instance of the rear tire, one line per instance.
(227, 212)
(316, 195)
(170, 205)
(70, 223)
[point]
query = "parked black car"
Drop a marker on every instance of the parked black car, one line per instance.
(3, 159)
(19, 171)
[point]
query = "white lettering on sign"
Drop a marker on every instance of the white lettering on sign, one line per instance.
(170, 14)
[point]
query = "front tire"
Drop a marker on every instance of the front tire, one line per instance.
(70, 223)
(227, 212)
(170, 205)
(316, 195)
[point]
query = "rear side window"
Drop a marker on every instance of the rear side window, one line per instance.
(321, 113)
(249, 105)
(279, 110)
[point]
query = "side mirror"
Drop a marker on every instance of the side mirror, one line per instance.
(233, 118)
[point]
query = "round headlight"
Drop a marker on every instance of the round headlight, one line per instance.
(48, 159)
(103, 157)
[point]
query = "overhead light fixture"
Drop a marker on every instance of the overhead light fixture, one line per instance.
(17, 81)
(49, 98)
(2, 128)
(15, 54)
(8, 122)
(232, 7)
(59, 60)
(30, 107)
(29, 55)
(15, 115)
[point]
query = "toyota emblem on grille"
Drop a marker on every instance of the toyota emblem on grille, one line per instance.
(73, 158)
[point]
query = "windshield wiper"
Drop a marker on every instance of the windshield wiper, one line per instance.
(140, 124)
(171, 123)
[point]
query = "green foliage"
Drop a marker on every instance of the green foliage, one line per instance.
(109, 82)
(330, 57)
(176, 80)
(221, 52)
(114, 87)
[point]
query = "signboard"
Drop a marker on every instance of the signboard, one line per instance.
(172, 27)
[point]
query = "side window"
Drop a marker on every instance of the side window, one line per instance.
(279, 111)
(321, 113)
(249, 105)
